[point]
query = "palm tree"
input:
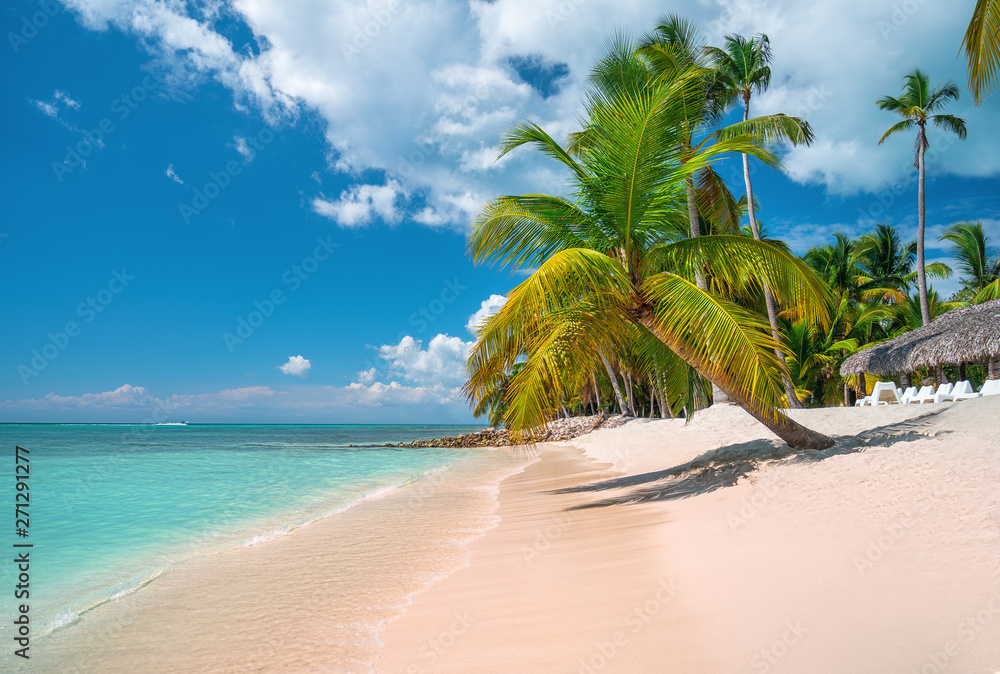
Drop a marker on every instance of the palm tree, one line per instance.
(917, 106)
(742, 68)
(888, 263)
(609, 269)
(982, 47)
(837, 264)
(978, 263)
(674, 47)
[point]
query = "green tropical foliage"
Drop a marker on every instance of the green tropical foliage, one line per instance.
(982, 48)
(978, 264)
(647, 297)
(613, 275)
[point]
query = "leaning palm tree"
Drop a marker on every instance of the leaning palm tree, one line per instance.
(917, 106)
(977, 262)
(610, 269)
(982, 47)
(743, 67)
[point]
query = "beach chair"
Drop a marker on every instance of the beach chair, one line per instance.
(884, 393)
(925, 394)
(963, 391)
(991, 387)
(861, 402)
(908, 395)
(943, 394)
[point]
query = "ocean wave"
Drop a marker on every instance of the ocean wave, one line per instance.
(75, 611)
(378, 492)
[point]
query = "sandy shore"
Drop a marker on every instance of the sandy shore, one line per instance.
(710, 547)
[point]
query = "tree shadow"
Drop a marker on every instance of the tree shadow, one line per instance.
(725, 466)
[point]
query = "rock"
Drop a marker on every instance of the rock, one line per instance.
(556, 430)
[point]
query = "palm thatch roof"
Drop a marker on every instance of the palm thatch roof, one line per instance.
(966, 335)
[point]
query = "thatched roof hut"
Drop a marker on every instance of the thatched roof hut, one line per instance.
(967, 335)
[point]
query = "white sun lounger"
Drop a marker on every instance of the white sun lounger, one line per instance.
(963, 391)
(991, 387)
(908, 395)
(885, 393)
(861, 402)
(943, 394)
(925, 394)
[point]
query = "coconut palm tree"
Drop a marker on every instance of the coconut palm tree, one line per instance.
(917, 106)
(742, 68)
(982, 47)
(888, 263)
(610, 270)
(978, 263)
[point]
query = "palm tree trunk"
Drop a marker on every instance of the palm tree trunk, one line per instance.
(847, 395)
(597, 391)
(792, 432)
(629, 397)
(925, 309)
(614, 383)
(692, 204)
(772, 314)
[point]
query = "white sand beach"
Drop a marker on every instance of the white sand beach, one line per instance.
(712, 547)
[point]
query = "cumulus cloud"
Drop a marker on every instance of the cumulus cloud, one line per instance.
(419, 91)
(357, 205)
(296, 365)
(442, 363)
(487, 308)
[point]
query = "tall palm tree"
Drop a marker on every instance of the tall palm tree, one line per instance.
(982, 47)
(917, 106)
(743, 67)
(977, 262)
(609, 269)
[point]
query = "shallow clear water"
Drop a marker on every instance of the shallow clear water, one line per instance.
(114, 506)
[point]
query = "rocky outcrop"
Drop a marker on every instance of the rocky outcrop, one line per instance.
(560, 429)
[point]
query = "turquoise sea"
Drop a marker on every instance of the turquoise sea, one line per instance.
(114, 506)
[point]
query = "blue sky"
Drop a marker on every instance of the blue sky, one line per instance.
(247, 152)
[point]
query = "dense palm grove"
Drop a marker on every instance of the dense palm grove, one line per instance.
(645, 296)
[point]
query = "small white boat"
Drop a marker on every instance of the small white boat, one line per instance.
(172, 423)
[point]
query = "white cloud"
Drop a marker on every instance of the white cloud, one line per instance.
(67, 100)
(356, 206)
(47, 109)
(487, 308)
(453, 92)
(391, 402)
(296, 365)
(243, 148)
(173, 175)
(125, 395)
(442, 363)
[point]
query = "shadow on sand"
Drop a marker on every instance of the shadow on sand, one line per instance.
(725, 466)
